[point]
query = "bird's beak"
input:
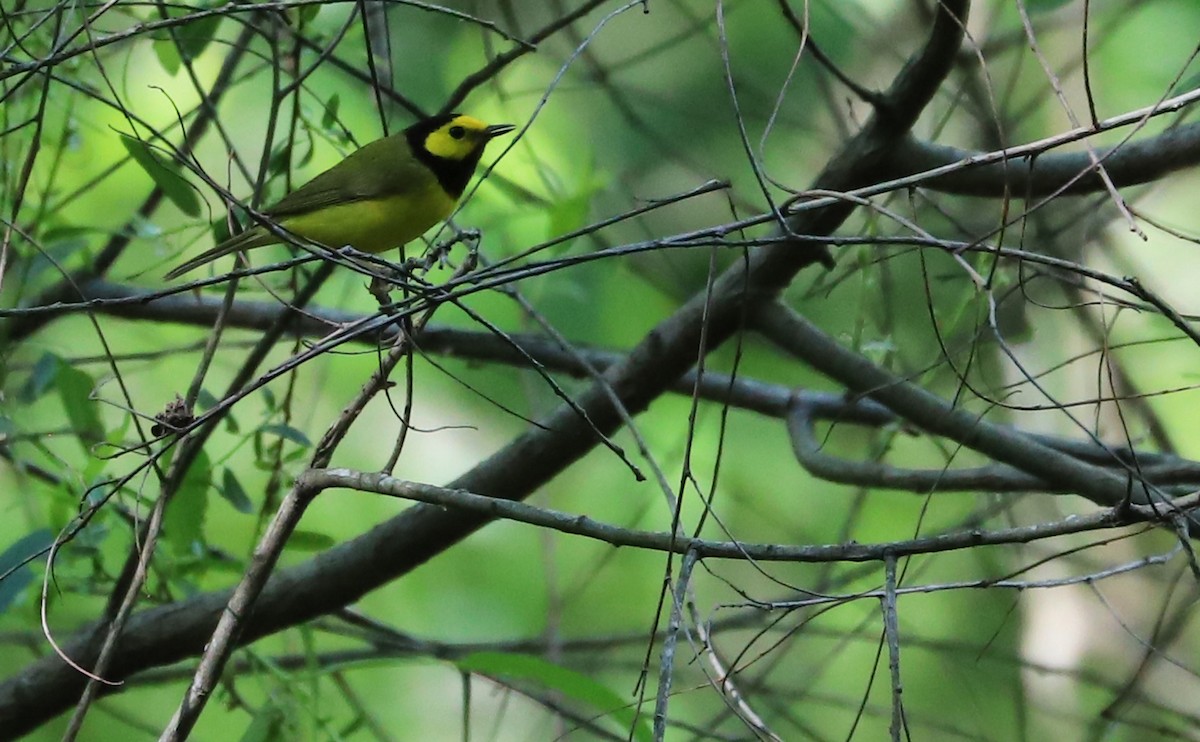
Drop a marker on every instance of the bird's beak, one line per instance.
(497, 129)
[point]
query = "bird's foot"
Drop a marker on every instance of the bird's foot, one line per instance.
(439, 254)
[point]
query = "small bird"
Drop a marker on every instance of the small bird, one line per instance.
(384, 195)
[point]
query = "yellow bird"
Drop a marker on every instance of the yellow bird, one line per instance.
(382, 196)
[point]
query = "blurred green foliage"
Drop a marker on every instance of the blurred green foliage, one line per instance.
(644, 111)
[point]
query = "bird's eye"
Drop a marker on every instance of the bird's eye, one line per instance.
(457, 132)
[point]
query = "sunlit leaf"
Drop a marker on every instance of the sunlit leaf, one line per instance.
(329, 120)
(168, 55)
(165, 174)
(570, 211)
(185, 41)
(183, 522)
(220, 230)
(308, 13)
(569, 214)
(75, 391)
(195, 36)
(234, 493)
(280, 159)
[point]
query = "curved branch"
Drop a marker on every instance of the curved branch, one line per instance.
(1060, 471)
(990, 478)
(1070, 173)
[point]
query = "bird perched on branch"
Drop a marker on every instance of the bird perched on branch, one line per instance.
(384, 195)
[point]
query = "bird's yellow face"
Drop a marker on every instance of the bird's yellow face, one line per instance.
(460, 138)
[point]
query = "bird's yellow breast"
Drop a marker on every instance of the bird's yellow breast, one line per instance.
(374, 225)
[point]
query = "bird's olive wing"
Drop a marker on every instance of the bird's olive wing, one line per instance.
(384, 167)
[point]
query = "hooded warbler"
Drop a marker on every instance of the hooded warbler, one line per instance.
(381, 196)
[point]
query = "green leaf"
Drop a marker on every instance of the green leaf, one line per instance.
(569, 214)
(570, 211)
(93, 538)
(295, 455)
(168, 55)
(266, 726)
(570, 683)
(306, 155)
(12, 583)
(205, 400)
(220, 230)
(183, 523)
(186, 41)
(165, 174)
(232, 490)
(195, 36)
(329, 120)
(41, 378)
(287, 432)
(308, 13)
(310, 541)
(280, 159)
(71, 237)
(75, 391)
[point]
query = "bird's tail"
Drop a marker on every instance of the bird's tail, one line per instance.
(252, 237)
